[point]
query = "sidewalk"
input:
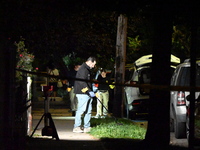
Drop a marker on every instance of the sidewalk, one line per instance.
(68, 140)
(64, 127)
(63, 120)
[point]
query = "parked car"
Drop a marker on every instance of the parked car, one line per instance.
(137, 99)
(178, 102)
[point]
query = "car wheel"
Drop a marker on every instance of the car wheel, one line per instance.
(179, 129)
(171, 125)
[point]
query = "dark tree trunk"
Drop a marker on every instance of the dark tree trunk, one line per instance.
(158, 132)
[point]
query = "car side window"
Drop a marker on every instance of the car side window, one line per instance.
(144, 76)
(173, 79)
(184, 77)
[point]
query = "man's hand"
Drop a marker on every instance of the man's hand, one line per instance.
(92, 94)
(84, 90)
(97, 95)
(69, 89)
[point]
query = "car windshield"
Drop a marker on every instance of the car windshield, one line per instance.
(184, 79)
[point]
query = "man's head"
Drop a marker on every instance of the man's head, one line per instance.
(103, 73)
(91, 62)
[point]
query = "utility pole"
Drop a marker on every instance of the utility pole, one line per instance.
(120, 65)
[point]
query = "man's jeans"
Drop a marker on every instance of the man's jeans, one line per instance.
(83, 101)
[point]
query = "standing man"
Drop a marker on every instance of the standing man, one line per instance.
(72, 95)
(103, 90)
(84, 94)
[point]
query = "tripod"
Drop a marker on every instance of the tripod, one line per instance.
(49, 128)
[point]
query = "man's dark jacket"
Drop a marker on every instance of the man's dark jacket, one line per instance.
(103, 80)
(82, 73)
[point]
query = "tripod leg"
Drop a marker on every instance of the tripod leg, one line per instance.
(37, 125)
(52, 125)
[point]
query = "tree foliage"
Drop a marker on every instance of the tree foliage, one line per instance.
(70, 60)
(181, 41)
(54, 29)
(24, 58)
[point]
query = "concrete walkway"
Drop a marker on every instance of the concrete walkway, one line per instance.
(64, 127)
(68, 140)
(62, 118)
(63, 121)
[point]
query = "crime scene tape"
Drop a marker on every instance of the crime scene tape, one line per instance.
(146, 86)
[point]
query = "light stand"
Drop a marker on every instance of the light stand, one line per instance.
(49, 126)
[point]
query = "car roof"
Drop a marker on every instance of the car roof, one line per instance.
(186, 63)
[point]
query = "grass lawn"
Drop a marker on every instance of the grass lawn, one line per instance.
(116, 128)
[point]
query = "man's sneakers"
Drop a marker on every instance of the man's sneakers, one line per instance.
(97, 116)
(79, 130)
(87, 129)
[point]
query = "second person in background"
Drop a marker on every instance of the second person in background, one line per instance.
(103, 91)
(72, 95)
